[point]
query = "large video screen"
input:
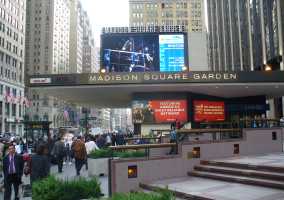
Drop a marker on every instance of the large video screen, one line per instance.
(208, 111)
(159, 111)
(142, 52)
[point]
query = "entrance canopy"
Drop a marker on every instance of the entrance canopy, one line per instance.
(117, 89)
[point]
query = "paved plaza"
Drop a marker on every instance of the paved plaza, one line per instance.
(219, 189)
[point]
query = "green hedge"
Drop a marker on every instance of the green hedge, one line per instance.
(107, 153)
(52, 188)
(164, 195)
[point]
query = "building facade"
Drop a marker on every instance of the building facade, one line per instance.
(188, 13)
(76, 37)
(90, 64)
(245, 35)
(12, 51)
(47, 52)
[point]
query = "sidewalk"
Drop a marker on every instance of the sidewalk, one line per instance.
(69, 172)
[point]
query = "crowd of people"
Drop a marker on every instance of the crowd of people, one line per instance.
(17, 159)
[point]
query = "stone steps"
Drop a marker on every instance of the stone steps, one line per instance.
(260, 175)
(241, 172)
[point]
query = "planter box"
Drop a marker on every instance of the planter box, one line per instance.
(98, 167)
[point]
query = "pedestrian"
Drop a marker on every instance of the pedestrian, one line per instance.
(90, 146)
(40, 166)
(173, 139)
(59, 153)
(13, 165)
(68, 158)
(108, 140)
(80, 154)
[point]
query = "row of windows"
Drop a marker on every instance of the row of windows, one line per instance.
(10, 60)
(11, 20)
(11, 109)
(9, 90)
(10, 75)
(163, 5)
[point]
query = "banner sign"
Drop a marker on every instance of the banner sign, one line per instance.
(153, 78)
(208, 111)
(169, 110)
(159, 111)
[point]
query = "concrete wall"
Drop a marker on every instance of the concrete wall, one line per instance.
(145, 128)
(197, 52)
(256, 141)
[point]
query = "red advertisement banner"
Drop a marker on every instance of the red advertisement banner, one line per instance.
(169, 110)
(209, 111)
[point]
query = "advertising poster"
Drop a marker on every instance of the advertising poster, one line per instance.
(143, 52)
(209, 111)
(159, 111)
(171, 53)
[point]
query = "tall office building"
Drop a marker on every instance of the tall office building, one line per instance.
(47, 52)
(89, 50)
(12, 50)
(188, 13)
(245, 35)
(76, 37)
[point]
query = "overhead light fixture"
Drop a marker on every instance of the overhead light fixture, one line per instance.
(103, 70)
(184, 68)
(268, 68)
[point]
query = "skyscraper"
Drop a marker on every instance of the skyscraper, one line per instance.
(90, 64)
(188, 13)
(76, 37)
(245, 35)
(47, 52)
(12, 51)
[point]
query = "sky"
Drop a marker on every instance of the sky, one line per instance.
(106, 13)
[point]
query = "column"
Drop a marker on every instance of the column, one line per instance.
(280, 32)
(263, 33)
(240, 36)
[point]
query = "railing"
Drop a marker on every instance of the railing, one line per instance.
(146, 147)
(260, 123)
(209, 134)
(143, 140)
(244, 123)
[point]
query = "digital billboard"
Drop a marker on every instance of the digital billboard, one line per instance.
(208, 111)
(142, 52)
(159, 111)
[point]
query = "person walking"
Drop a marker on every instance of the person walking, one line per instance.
(40, 166)
(59, 153)
(173, 139)
(80, 154)
(13, 165)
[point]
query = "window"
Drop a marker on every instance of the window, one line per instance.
(7, 109)
(14, 110)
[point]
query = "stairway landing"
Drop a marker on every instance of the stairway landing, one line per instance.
(220, 190)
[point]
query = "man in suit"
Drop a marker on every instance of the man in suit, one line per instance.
(13, 165)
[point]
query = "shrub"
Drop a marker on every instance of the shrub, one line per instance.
(101, 153)
(162, 195)
(52, 188)
(107, 153)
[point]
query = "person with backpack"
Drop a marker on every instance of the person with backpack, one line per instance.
(80, 154)
(59, 153)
